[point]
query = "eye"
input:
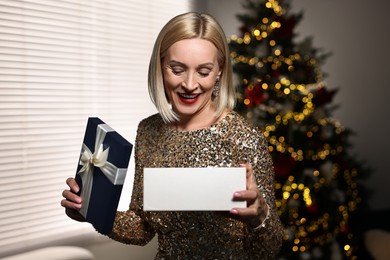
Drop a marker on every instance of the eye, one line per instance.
(204, 73)
(176, 70)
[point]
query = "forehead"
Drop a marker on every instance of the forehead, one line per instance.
(192, 49)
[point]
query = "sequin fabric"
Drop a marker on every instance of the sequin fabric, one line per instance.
(201, 235)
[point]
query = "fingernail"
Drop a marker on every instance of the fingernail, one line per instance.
(233, 211)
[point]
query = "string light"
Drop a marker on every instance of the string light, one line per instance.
(297, 197)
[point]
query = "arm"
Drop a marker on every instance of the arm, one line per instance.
(129, 226)
(270, 231)
(263, 227)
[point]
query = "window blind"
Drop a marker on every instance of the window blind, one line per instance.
(61, 62)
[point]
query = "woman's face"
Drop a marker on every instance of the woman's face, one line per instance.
(190, 70)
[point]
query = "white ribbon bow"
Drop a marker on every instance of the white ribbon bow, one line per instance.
(90, 160)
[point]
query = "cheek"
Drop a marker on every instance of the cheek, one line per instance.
(168, 91)
(171, 82)
(170, 86)
(207, 84)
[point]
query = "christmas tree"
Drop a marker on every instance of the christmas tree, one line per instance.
(281, 88)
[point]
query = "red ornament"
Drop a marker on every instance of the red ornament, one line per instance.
(286, 29)
(275, 74)
(322, 96)
(345, 230)
(254, 95)
(313, 208)
(283, 165)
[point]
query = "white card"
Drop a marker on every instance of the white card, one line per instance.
(196, 189)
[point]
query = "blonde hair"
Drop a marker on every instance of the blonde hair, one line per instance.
(187, 26)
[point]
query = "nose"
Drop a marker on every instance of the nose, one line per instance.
(190, 83)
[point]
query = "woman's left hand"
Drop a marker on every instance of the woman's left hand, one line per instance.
(257, 209)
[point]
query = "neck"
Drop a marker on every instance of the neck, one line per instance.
(191, 123)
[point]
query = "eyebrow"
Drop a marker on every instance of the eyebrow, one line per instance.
(178, 63)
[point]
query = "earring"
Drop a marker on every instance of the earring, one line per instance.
(216, 88)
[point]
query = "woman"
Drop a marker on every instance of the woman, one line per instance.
(190, 83)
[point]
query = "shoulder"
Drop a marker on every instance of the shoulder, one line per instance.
(242, 130)
(150, 125)
(239, 123)
(154, 120)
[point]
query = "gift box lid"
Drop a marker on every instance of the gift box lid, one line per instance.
(101, 172)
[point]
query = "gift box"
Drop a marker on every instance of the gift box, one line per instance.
(101, 173)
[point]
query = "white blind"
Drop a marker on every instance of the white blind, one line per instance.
(62, 61)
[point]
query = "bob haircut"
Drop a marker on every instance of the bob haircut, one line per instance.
(188, 26)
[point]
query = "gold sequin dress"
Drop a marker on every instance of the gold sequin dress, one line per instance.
(201, 235)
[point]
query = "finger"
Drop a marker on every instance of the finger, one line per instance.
(244, 212)
(249, 169)
(254, 211)
(70, 196)
(71, 182)
(70, 205)
(250, 178)
(247, 195)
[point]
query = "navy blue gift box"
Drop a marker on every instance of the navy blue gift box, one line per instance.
(101, 172)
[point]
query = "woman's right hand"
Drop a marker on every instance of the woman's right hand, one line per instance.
(72, 201)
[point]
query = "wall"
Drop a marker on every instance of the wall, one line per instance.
(356, 33)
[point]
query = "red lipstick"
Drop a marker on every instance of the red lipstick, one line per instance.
(188, 99)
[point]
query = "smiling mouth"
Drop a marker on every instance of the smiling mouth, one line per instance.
(188, 98)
